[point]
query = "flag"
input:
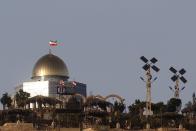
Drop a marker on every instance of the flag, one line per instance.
(53, 43)
(74, 83)
(61, 82)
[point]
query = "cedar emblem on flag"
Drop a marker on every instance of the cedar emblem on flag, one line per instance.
(53, 43)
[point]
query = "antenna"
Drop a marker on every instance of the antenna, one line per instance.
(147, 67)
(176, 78)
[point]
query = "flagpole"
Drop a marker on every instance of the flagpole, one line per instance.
(52, 44)
(50, 51)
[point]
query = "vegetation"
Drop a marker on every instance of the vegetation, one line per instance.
(174, 105)
(6, 100)
(117, 114)
(21, 97)
(164, 115)
(119, 106)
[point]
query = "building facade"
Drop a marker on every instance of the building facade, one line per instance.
(47, 75)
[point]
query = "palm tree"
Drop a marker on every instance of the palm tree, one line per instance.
(21, 98)
(6, 100)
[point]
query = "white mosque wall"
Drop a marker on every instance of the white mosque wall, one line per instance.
(36, 88)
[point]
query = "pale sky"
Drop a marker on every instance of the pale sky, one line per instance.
(102, 42)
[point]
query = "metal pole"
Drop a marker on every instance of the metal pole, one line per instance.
(148, 94)
(176, 95)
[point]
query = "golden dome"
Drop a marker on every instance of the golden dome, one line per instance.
(50, 65)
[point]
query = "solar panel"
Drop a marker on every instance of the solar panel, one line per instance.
(153, 60)
(178, 75)
(155, 68)
(174, 78)
(173, 70)
(146, 67)
(183, 79)
(144, 59)
(182, 71)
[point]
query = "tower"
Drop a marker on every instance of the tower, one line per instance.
(176, 78)
(147, 67)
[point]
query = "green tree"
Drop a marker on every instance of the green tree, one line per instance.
(21, 98)
(136, 114)
(174, 105)
(159, 108)
(137, 108)
(138, 120)
(119, 106)
(6, 100)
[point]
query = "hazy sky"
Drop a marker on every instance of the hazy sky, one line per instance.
(102, 42)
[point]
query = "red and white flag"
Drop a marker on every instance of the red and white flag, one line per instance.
(74, 83)
(53, 43)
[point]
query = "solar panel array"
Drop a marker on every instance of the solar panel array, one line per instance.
(149, 64)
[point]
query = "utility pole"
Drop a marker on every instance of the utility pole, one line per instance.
(176, 78)
(148, 92)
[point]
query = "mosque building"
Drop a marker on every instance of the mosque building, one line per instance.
(48, 73)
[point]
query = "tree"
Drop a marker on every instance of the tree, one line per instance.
(119, 106)
(159, 108)
(21, 98)
(138, 120)
(137, 108)
(136, 114)
(6, 100)
(174, 105)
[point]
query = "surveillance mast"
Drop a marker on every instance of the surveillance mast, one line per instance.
(176, 78)
(147, 67)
